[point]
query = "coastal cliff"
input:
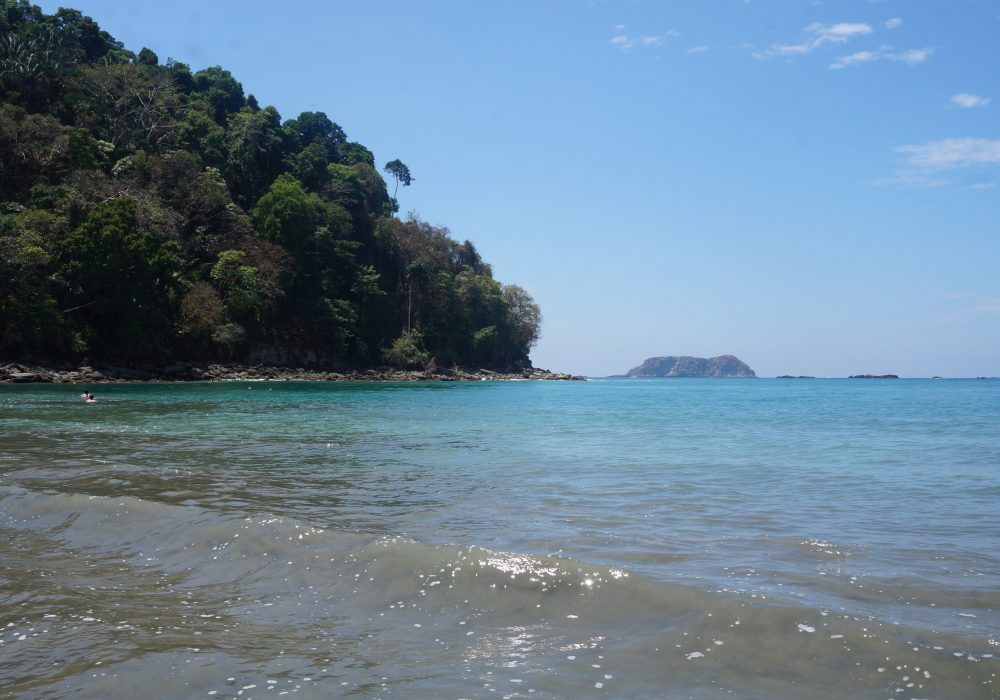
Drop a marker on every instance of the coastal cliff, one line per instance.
(685, 366)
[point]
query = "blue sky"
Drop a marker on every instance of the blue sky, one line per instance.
(812, 186)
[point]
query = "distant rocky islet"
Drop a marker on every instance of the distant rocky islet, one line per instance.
(687, 366)
(681, 366)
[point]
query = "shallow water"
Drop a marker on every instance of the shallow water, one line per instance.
(618, 538)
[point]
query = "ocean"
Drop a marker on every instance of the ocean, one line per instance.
(620, 538)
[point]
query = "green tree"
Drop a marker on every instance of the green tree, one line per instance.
(287, 214)
(351, 153)
(33, 68)
(377, 200)
(400, 173)
(123, 282)
(359, 189)
(148, 57)
(202, 314)
(524, 319)
(220, 91)
(197, 132)
(29, 317)
(255, 148)
(316, 128)
(33, 148)
(374, 309)
(85, 37)
(309, 166)
(239, 285)
(407, 351)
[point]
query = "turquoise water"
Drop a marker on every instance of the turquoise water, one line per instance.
(614, 538)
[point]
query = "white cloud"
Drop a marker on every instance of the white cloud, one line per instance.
(842, 31)
(983, 185)
(697, 49)
(820, 34)
(910, 57)
(926, 159)
(619, 27)
(893, 23)
(855, 58)
(964, 99)
(627, 43)
(948, 154)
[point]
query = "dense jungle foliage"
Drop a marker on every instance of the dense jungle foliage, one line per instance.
(148, 212)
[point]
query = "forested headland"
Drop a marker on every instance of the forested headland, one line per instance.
(151, 212)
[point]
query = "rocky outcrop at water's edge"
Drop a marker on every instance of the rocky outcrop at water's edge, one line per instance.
(20, 372)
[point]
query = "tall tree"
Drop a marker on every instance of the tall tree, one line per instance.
(400, 173)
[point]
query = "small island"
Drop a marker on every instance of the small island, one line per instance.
(686, 366)
(874, 376)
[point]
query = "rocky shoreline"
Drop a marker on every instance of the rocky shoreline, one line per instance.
(31, 373)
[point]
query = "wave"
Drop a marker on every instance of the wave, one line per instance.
(197, 599)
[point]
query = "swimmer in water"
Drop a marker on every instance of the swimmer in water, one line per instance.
(88, 397)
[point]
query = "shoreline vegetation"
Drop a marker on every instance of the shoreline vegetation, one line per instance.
(32, 373)
(151, 213)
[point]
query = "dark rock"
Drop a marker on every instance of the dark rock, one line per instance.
(177, 368)
(874, 376)
(26, 377)
(127, 373)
